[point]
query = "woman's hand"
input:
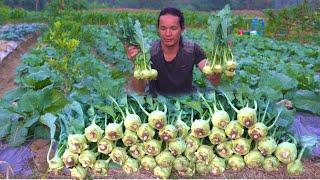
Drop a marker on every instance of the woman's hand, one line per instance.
(131, 51)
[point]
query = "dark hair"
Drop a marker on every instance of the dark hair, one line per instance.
(172, 11)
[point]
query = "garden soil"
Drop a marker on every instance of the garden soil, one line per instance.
(9, 64)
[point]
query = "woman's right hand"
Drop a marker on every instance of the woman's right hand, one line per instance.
(131, 51)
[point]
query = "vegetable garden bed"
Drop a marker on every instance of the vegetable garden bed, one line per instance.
(12, 60)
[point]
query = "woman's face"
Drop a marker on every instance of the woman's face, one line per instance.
(169, 30)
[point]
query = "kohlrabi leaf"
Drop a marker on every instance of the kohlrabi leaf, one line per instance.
(307, 100)
(18, 134)
(14, 94)
(5, 125)
(49, 120)
(144, 47)
(308, 141)
(29, 121)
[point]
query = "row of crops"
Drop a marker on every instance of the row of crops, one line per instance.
(73, 82)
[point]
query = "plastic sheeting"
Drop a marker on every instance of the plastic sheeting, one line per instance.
(6, 47)
(309, 125)
(18, 158)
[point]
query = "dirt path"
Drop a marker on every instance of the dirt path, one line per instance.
(9, 64)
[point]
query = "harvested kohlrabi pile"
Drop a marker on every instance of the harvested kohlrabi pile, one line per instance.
(206, 134)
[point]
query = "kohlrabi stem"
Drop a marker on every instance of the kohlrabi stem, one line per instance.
(255, 145)
(94, 119)
(265, 111)
(224, 55)
(206, 103)
(122, 113)
(49, 150)
(134, 112)
(141, 106)
(233, 116)
(255, 105)
(105, 120)
(201, 141)
(59, 150)
(230, 103)
(293, 139)
(165, 108)
(170, 119)
(215, 102)
(274, 132)
(221, 105)
(143, 120)
(202, 115)
(191, 116)
(215, 57)
(301, 152)
(127, 111)
(179, 117)
(276, 119)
